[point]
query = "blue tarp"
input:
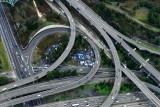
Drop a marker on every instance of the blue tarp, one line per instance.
(79, 54)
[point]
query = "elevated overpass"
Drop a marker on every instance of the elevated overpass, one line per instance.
(101, 25)
(62, 88)
(103, 32)
(55, 64)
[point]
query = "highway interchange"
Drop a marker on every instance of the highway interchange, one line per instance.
(98, 23)
(54, 65)
(35, 88)
(61, 88)
(104, 30)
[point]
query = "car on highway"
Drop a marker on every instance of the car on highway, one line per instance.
(75, 105)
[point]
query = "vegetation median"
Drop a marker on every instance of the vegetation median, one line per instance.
(4, 61)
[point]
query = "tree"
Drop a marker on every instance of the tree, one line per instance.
(32, 23)
(51, 16)
(158, 41)
(106, 61)
(146, 4)
(154, 16)
(57, 16)
(4, 80)
(41, 2)
(101, 6)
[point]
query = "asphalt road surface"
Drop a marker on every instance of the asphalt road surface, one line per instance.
(55, 64)
(14, 53)
(133, 99)
(61, 88)
(95, 20)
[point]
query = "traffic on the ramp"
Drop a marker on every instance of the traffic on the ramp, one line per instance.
(23, 66)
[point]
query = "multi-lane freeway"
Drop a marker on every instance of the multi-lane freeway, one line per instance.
(116, 60)
(50, 85)
(14, 53)
(115, 34)
(136, 99)
(58, 90)
(104, 29)
(141, 86)
(97, 21)
(101, 25)
(53, 66)
(56, 63)
(61, 88)
(35, 88)
(53, 84)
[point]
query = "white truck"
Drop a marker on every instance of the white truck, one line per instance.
(75, 105)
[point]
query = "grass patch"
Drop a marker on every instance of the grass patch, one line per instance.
(4, 61)
(142, 14)
(103, 90)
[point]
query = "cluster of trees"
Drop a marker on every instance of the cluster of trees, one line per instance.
(123, 24)
(154, 14)
(157, 41)
(25, 18)
(80, 42)
(104, 87)
(4, 80)
(146, 4)
(50, 14)
(41, 2)
(104, 84)
(107, 86)
(53, 57)
(32, 23)
(106, 62)
(127, 87)
(104, 12)
(143, 4)
(59, 74)
(53, 16)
